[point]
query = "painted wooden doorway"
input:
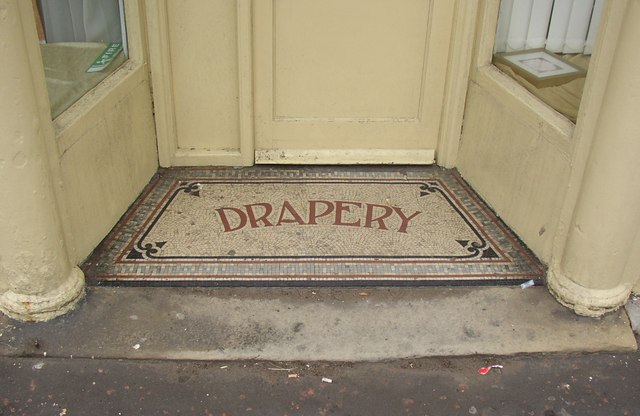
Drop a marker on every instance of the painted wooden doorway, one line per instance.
(358, 81)
(305, 81)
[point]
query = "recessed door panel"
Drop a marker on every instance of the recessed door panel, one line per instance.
(349, 76)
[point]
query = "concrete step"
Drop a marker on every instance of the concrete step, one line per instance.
(346, 324)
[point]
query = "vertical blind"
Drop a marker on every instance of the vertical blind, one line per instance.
(82, 20)
(561, 26)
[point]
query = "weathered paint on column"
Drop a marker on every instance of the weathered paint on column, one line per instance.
(590, 277)
(37, 281)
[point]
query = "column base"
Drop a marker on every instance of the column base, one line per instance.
(583, 301)
(35, 308)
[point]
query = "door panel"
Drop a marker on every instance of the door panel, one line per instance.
(210, 27)
(200, 56)
(355, 77)
(315, 44)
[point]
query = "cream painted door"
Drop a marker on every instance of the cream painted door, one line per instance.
(349, 81)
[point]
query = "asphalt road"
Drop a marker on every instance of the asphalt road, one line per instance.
(535, 385)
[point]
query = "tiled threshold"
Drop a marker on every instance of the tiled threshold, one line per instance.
(311, 226)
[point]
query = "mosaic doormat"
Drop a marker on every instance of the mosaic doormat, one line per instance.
(310, 227)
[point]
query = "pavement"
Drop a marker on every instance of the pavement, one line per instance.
(113, 356)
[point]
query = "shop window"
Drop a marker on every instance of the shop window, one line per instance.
(546, 46)
(82, 42)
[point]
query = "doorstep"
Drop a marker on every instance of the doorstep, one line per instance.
(336, 324)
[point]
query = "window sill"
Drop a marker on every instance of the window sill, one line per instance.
(89, 109)
(527, 106)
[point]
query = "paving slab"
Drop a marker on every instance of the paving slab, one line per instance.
(357, 324)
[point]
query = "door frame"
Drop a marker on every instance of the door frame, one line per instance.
(170, 154)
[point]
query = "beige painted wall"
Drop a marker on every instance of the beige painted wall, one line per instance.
(112, 158)
(103, 148)
(515, 159)
(524, 158)
(632, 271)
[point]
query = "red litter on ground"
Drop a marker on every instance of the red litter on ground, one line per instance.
(485, 370)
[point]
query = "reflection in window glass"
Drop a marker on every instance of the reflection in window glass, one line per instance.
(564, 30)
(82, 41)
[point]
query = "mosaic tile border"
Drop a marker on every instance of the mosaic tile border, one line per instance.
(508, 262)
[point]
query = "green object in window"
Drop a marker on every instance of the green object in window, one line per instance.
(105, 58)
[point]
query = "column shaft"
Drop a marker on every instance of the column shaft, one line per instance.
(590, 275)
(37, 281)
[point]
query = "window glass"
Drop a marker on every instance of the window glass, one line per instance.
(82, 42)
(546, 46)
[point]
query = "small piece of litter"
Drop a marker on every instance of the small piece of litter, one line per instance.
(363, 294)
(279, 369)
(224, 366)
(293, 376)
(326, 380)
(485, 370)
(45, 353)
(527, 284)
(38, 366)
(473, 410)
(136, 347)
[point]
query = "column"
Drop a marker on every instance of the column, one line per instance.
(37, 280)
(589, 277)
